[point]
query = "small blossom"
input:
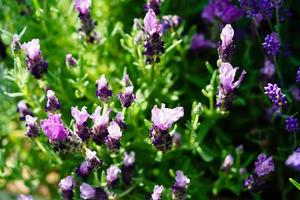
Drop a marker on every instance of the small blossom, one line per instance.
(100, 125)
(83, 6)
(23, 109)
(226, 46)
(199, 42)
(70, 60)
(34, 60)
(228, 162)
(275, 95)
(293, 160)
(83, 170)
(103, 91)
(291, 124)
(129, 159)
(119, 119)
(268, 70)
(180, 186)
(87, 192)
(157, 191)
(66, 186)
(114, 136)
(92, 160)
(264, 165)
(272, 44)
(112, 175)
(227, 85)
(53, 127)
(81, 127)
(127, 97)
(32, 129)
(53, 103)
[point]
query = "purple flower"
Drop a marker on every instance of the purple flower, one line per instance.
(83, 6)
(112, 175)
(163, 118)
(127, 97)
(154, 5)
(264, 165)
(154, 46)
(93, 162)
(268, 70)
(223, 10)
(87, 192)
(128, 167)
(272, 44)
(53, 127)
(32, 129)
(25, 197)
(34, 60)
(199, 42)
(226, 47)
(100, 125)
(53, 103)
(169, 22)
(295, 91)
(157, 191)
(66, 186)
(103, 91)
(227, 163)
(119, 119)
(114, 136)
(16, 45)
(275, 95)
(23, 109)
(70, 60)
(83, 170)
(180, 186)
(298, 76)
(253, 8)
(293, 160)
(227, 85)
(291, 124)
(81, 127)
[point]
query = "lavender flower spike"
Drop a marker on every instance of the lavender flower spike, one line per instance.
(226, 46)
(23, 109)
(291, 124)
(128, 167)
(163, 120)
(53, 127)
(227, 85)
(180, 186)
(157, 191)
(114, 136)
(100, 125)
(293, 160)
(66, 186)
(272, 44)
(275, 95)
(103, 91)
(264, 165)
(81, 127)
(112, 175)
(34, 60)
(127, 97)
(32, 129)
(154, 46)
(53, 103)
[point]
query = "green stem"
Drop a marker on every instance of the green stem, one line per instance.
(278, 71)
(126, 192)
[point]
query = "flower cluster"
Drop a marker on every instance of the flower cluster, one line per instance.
(272, 44)
(293, 160)
(263, 167)
(223, 10)
(66, 186)
(226, 47)
(291, 124)
(91, 163)
(53, 103)
(34, 59)
(180, 186)
(163, 120)
(259, 8)
(275, 95)
(87, 23)
(103, 91)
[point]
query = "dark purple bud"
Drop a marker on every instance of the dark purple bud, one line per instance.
(154, 5)
(34, 60)
(112, 175)
(32, 129)
(16, 45)
(71, 61)
(103, 91)
(53, 103)
(293, 160)
(92, 160)
(272, 44)
(127, 97)
(66, 186)
(291, 124)
(180, 186)
(23, 109)
(114, 136)
(83, 170)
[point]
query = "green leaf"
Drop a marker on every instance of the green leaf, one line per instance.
(295, 183)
